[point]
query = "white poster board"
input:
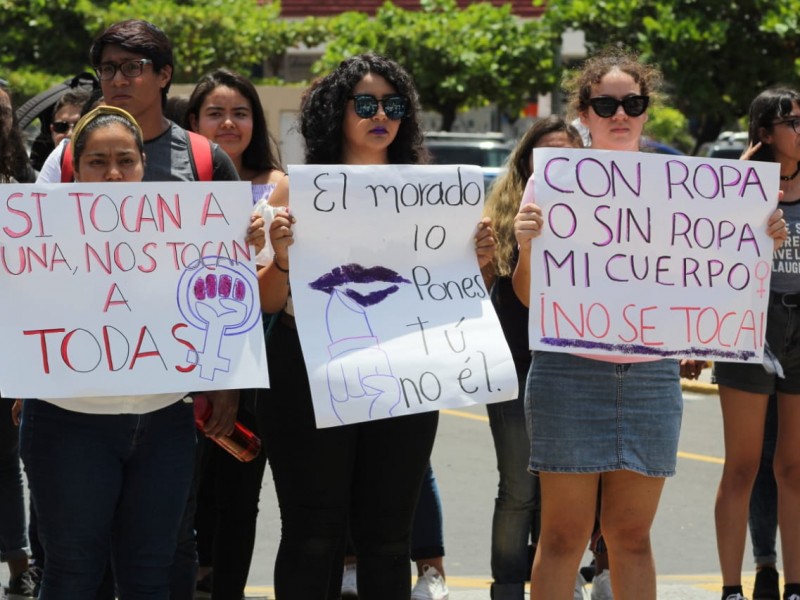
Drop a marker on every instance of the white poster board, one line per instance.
(130, 289)
(393, 314)
(651, 255)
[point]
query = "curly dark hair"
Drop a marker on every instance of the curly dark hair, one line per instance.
(323, 105)
(774, 104)
(261, 153)
(13, 156)
(579, 83)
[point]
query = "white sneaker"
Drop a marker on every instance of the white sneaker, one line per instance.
(349, 586)
(580, 590)
(601, 586)
(430, 586)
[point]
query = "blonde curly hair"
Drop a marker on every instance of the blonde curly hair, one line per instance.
(502, 204)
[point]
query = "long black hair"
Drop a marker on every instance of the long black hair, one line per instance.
(261, 153)
(13, 155)
(768, 107)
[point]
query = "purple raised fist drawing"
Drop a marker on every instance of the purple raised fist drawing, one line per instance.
(217, 297)
(360, 379)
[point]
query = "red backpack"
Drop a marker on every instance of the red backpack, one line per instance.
(199, 151)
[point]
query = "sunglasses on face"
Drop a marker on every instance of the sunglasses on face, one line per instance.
(129, 68)
(62, 126)
(793, 123)
(366, 106)
(606, 106)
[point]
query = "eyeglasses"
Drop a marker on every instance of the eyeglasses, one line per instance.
(366, 105)
(606, 106)
(793, 123)
(63, 126)
(129, 68)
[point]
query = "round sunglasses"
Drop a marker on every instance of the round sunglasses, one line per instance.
(366, 106)
(606, 106)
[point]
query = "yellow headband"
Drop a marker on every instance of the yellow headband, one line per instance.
(98, 112)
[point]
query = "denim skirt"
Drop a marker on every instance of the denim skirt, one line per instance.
(590, 416)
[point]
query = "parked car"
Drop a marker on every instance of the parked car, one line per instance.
(486, 150)
(729, 144)
(651, 145)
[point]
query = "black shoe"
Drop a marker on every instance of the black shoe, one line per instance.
(22, 587)
(767, 585)
(588, 572)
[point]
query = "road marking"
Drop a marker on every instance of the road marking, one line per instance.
(687, 455)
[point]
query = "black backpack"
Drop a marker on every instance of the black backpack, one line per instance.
(41, 107)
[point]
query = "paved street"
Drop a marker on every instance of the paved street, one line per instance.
(463, 460)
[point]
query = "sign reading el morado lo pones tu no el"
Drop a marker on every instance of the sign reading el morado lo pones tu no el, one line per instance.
(135, 288)
(651, 255)
(393, 315)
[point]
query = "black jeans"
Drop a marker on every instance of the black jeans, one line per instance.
(368, 474)
(227, 510)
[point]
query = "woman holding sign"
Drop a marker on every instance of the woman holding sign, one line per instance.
(366, 112)
(110, 476)
(612, 419)
(225, 108)
(744, 389)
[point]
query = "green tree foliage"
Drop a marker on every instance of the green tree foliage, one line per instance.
(207, 34)
(716, 55)
(458, 57)
(46, 41)
(42, 42)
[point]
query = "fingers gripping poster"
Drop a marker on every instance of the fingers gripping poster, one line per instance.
(392, 312)
(141, 288)
(651, 255)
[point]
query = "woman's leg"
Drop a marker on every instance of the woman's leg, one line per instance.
(391, 458)
(158, 473)
(313, 473)
(743, 416)
(237, 490)
(517, 504)
(74, 471)
(627, 509)
(13, 543)
(569, 501)
(787, 476)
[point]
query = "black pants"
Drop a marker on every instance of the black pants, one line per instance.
(227, 510)
(368, 474)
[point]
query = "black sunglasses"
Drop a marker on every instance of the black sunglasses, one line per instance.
(62, 126)
(366, 105)
(606, 106)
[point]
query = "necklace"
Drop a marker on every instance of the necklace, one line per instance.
(793, 175)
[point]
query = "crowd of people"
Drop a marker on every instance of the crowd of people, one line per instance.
(127, 502)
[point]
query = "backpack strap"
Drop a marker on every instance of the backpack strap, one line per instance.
(200, 151)
(67, 176)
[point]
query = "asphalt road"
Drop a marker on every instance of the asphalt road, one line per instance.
(464, 463)
(463, 460)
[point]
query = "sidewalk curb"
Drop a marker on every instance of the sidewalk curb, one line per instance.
(699, 387)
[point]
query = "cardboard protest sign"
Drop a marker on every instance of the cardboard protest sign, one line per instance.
(393, 314)
(651, 255)
(141, 288)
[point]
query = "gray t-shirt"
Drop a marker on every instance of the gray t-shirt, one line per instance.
(166, 159)
(786, 260)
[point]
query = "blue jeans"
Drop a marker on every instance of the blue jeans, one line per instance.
(13, 544)
(427, 532)
(108, 485)
(516, 508)
(764, 497)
